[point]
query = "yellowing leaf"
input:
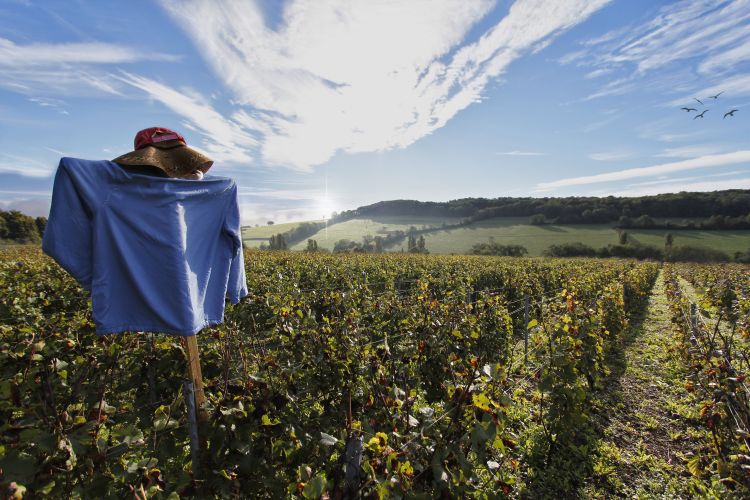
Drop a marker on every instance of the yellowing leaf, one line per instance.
(481, 401)
(266, 420)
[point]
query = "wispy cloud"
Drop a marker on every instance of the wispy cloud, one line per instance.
(690, 151)
(61, 153)
(676, 180)
(737, 85)
(665, 137)
(376, 79)
(681, 31)
(25, 166)
(599, 124)
(742, 183)
(282, 194)
(55, 104)
(708, 35)
(520, 153)
(662, 169)
(223, 139)
(66, 68)
(611, 155)
(726, 60)
(46, 54)
(598, 73)
(38, 207)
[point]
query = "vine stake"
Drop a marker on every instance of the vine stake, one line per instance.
(195, 376)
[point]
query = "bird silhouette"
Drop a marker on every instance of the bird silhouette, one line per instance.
(730, 113)
(698, 101)
(689, 109)
(700, 115)
(716, 96)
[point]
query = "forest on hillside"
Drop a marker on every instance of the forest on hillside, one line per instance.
(729, 209)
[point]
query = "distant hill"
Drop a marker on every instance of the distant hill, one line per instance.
(734, 203)
(514, 231)
(719, 220)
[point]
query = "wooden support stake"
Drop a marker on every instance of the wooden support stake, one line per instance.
(195, 445)
(195, 376)
(353, 461)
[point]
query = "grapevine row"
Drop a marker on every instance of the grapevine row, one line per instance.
(412, 365)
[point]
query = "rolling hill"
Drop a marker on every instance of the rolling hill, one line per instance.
(504, 230)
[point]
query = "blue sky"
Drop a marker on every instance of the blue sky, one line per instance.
(322, 105)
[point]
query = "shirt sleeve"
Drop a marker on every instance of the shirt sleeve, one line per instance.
(67, 237)
(237, 286)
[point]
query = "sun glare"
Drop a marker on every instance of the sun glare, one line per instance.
(325, 207)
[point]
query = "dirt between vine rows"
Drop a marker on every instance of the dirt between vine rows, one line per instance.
(645, 418)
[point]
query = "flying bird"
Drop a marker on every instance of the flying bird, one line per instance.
(698, 101)
(716, 96)
(689, 109)
(700, 115)
(730, 113)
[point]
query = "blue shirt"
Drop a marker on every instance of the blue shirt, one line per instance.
(157, 254)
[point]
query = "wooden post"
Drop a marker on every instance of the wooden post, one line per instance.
(353, 461)
(195, 445)
(195, 376)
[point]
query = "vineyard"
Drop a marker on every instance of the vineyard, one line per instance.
(374, 375)
(714, 340)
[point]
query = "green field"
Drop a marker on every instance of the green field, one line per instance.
(507, 230)
(355, 229)
(252, 237)
(537, 238)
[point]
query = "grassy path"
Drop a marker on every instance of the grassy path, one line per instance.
(645, 417)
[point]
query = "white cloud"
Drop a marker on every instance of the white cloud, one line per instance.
(599, 124)
(665, 168)
(521, 153)
(684, 30)
(360, 76)
(598, 72)
(737, 85)
(666, 137)
(55, 54)
(259, 213)
(726, 60)
(62, 153)
(33, 207)
(55, 104)
(675, 180)
(690, 151)
(743, 183)
(282, 194)
(572, 56)
(708, 35)
(223, 140)
(66, 68)
(611, 155)
(25, 166)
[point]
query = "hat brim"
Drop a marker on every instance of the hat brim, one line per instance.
(173, 157)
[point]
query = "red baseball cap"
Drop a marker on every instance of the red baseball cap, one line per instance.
(155, 135)
(169, 152)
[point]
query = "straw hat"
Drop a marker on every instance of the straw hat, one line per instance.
(167, 150)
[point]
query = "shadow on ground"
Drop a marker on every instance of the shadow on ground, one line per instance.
(567, 469)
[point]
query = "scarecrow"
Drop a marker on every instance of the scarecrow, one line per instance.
(152, 237)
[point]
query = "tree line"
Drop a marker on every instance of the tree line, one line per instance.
(369, 244)
(732, 205)
(21, 228)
